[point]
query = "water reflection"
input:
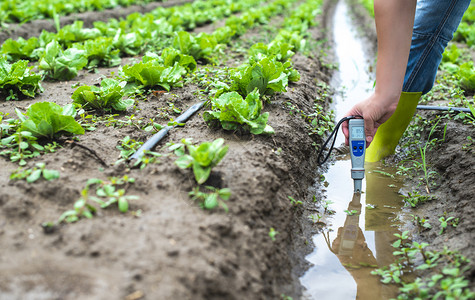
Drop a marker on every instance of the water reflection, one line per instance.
(357, 241)
(354, 254)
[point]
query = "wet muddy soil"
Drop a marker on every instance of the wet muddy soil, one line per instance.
(453, 190)
(166, 247)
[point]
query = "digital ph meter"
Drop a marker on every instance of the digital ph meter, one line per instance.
(357, 143)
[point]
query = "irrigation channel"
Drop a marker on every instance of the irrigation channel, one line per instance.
(354, 242)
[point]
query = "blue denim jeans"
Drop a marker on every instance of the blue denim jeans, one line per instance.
(434, 25)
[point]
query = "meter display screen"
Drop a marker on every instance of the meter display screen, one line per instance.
(357, 132)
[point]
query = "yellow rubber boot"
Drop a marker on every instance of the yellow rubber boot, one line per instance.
(388, 135)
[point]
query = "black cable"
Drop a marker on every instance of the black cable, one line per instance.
(334, 133)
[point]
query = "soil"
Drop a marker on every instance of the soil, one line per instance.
(453, 191)
(172, 249)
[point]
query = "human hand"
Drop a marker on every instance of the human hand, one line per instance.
(375, 110)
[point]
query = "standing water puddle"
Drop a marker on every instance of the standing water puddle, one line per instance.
(354, 242)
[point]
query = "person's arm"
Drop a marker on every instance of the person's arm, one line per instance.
(394, 21)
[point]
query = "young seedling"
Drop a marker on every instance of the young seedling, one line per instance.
(350, 212)
(326, 207)
(414, 198)
(106, 195)
(202, 158)
(273, 233)
(35, 173)
(422, 223)
(315, 218)
(294, 202)
(445, 222)
(82, 208)
(423, 151)
(213, 199)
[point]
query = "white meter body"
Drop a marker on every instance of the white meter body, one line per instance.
(357, 143)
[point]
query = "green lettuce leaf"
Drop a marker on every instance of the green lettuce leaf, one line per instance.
(76, 33)
(150, 72)
(267, 75)
(232, 111)
(100, 53)
(49, 120)
(467, 76)
(108, 97)
(18, 78)
(61, 65)
(203, 158)
(200, 47)
(170, 56)
(129, 43)
(20, 48)
(280, 50)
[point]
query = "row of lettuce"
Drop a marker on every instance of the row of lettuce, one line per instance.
(21, 11)
(62, 54)
(236, 102)
(239, 104)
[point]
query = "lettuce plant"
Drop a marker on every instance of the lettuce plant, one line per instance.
(267, 75)
(170, 56)
(203, 158)
(62, 65)
(109, 96)
(150, 72)
(232, 111)
(467, 76)
(76, 33)
(280, 50)
(49, 120)
(293, 38)
(129, 43)
(200, 46)
(20, 48)
(18, 78)
(101, 53)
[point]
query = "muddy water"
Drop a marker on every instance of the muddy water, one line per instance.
(357, 228)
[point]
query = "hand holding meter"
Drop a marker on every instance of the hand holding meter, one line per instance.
(357, 143)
